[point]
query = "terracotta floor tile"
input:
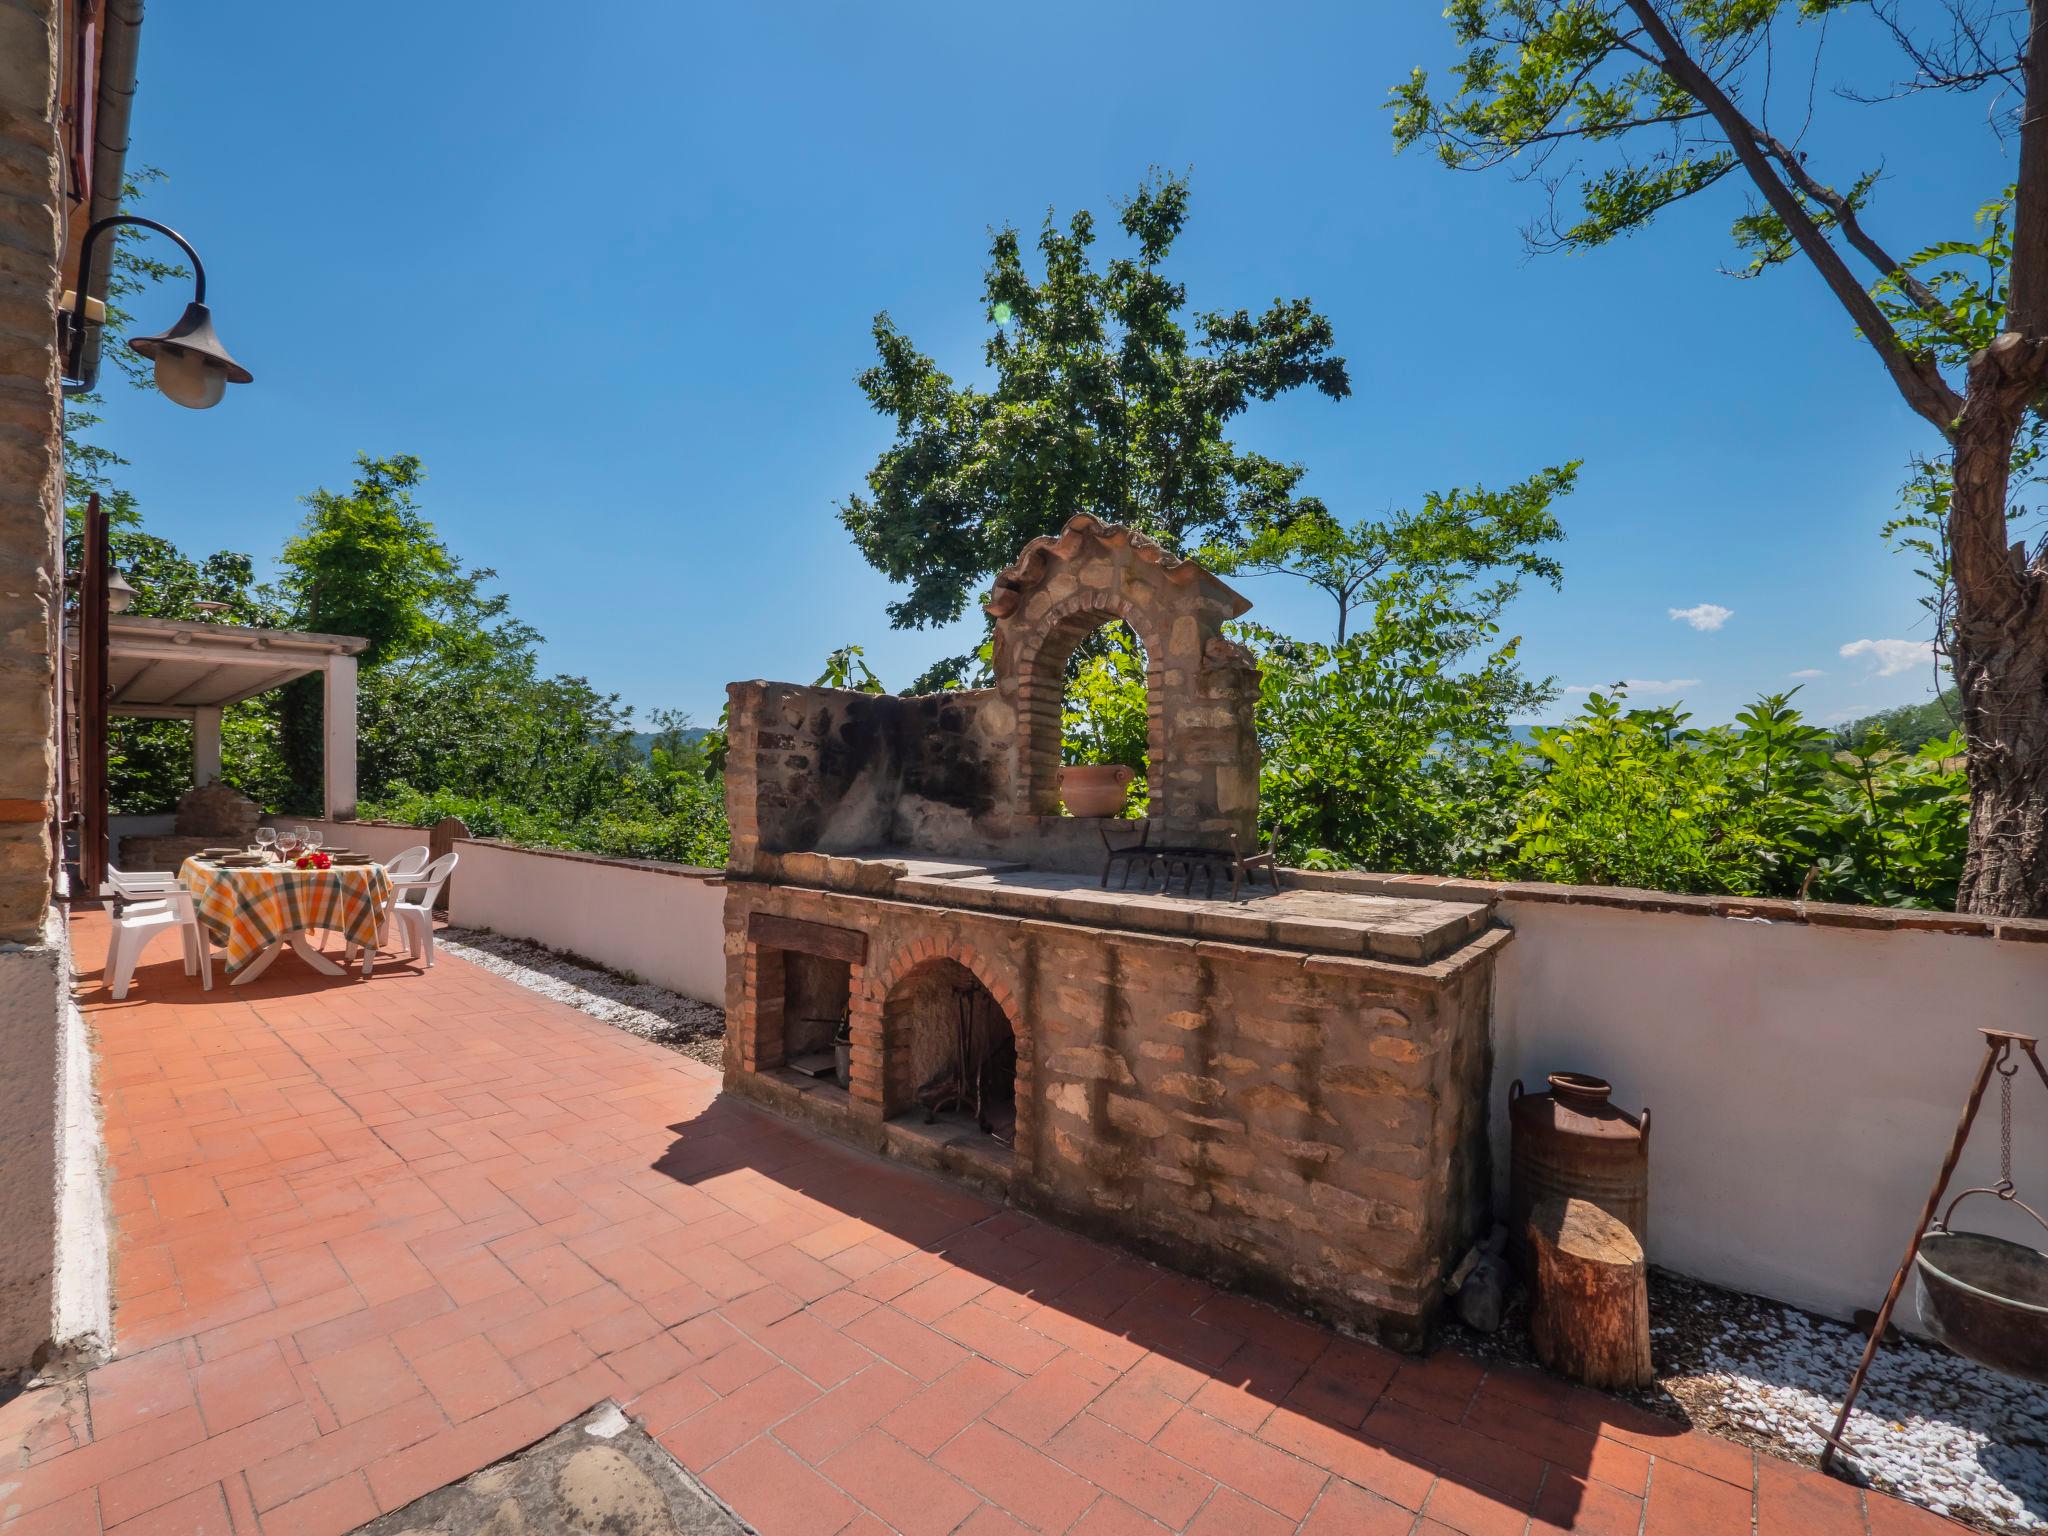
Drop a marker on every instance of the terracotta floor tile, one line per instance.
(899, 1485)
(1048, 1401)
(938, 1413)
(132, 1390)
(373, 1237)
(1347, 1511)
(1585, 1508)
(364, 1379)
(469, 1378)
(1019, 1480)
(1146, 1479)
(846, 1412)
(1790, 1498)
(1402, 1478)
(243, 1387)
(1683, 1502)
(724, 1426)
(777, 1493)
(1475, 1511)
(1236, 1460)
(203, 1512)
(1232, 1514)
(332, 1510)
(908, 1345)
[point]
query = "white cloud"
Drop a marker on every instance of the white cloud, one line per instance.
(1892, 656)
(1640, 685)
(1704, 617)
(1808, 672)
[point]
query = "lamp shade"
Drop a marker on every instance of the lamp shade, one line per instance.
(120, 596)
(192, 367)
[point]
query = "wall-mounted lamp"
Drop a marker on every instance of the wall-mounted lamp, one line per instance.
(192, 367)
(120, 596)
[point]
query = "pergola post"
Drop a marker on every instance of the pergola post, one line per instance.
(206, 744)
(339, 710)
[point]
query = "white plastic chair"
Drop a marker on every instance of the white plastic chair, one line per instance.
(413, 906)
(155, 903)
(137, 885)
(410, 864)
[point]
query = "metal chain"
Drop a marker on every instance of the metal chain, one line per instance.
(2005, 1124)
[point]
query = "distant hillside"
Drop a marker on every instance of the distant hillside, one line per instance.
(643, 741)
(1910, 726)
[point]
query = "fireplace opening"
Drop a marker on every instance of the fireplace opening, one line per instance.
(952, 1053)
(815, 992)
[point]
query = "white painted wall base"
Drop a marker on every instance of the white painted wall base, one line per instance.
(663, 923)
(1804, 1080)
(84, 1301)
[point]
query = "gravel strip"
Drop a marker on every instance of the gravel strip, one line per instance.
(1930, 1426)
(640, 1008)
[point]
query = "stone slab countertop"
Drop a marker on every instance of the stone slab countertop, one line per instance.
(1398, 928)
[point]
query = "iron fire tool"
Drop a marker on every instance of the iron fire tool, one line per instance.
(1984, 1297)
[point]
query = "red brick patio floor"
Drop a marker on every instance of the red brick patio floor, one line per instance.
(371, 1236)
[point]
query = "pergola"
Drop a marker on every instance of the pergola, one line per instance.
(179, 669)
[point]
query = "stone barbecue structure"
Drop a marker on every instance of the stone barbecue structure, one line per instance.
(211, 815)
(1285, 1092)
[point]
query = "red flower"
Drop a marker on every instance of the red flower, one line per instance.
(313, 861)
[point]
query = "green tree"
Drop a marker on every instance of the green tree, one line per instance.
(1622, 108)
(1105, 399)
(1381, 752)
(1457, 533)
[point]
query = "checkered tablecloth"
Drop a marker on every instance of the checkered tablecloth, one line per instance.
(255, 908)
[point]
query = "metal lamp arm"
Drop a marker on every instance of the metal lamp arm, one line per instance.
(74, 326)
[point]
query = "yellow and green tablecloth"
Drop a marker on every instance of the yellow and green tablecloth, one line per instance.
(257, 907)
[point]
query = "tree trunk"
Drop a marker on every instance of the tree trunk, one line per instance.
(2001, 642)
(1591, 1316)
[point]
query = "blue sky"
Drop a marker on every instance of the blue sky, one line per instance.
(612, 275)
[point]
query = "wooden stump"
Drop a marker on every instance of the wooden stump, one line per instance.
(1591, 1314)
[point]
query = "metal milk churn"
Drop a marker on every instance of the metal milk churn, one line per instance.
(1572, 1142)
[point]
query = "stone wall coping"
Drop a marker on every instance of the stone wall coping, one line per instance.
(874, 907)
(573, 855)
(1816, 914)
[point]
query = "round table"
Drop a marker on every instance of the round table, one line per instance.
(259, 910)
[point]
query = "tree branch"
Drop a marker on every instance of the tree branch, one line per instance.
(1917, 378)
(1852, 229)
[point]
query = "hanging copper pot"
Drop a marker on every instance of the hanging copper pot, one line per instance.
(1572, 1142)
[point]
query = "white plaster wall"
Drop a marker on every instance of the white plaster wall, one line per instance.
(1804, 1082)
(653, 921)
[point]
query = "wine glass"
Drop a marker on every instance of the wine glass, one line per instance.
(266, 841)
(299, 835)
(313, 839)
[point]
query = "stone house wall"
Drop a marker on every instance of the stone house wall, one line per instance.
(1311, 1126)
(32, 960)
(31, 463)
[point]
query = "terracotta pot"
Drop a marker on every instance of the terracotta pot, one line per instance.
(1095, 789)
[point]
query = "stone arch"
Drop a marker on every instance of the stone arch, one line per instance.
(1200, 689)
(1041, 664)
(877, 1054)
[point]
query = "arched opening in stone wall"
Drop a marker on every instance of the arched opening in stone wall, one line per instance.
(950, 1052)
(1101, 683)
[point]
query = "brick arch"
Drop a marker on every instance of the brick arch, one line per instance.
(1040, 664)
(873, 1050)
(1200, 689)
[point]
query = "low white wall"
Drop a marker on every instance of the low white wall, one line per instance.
(664, 923)
(1804, 1081)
